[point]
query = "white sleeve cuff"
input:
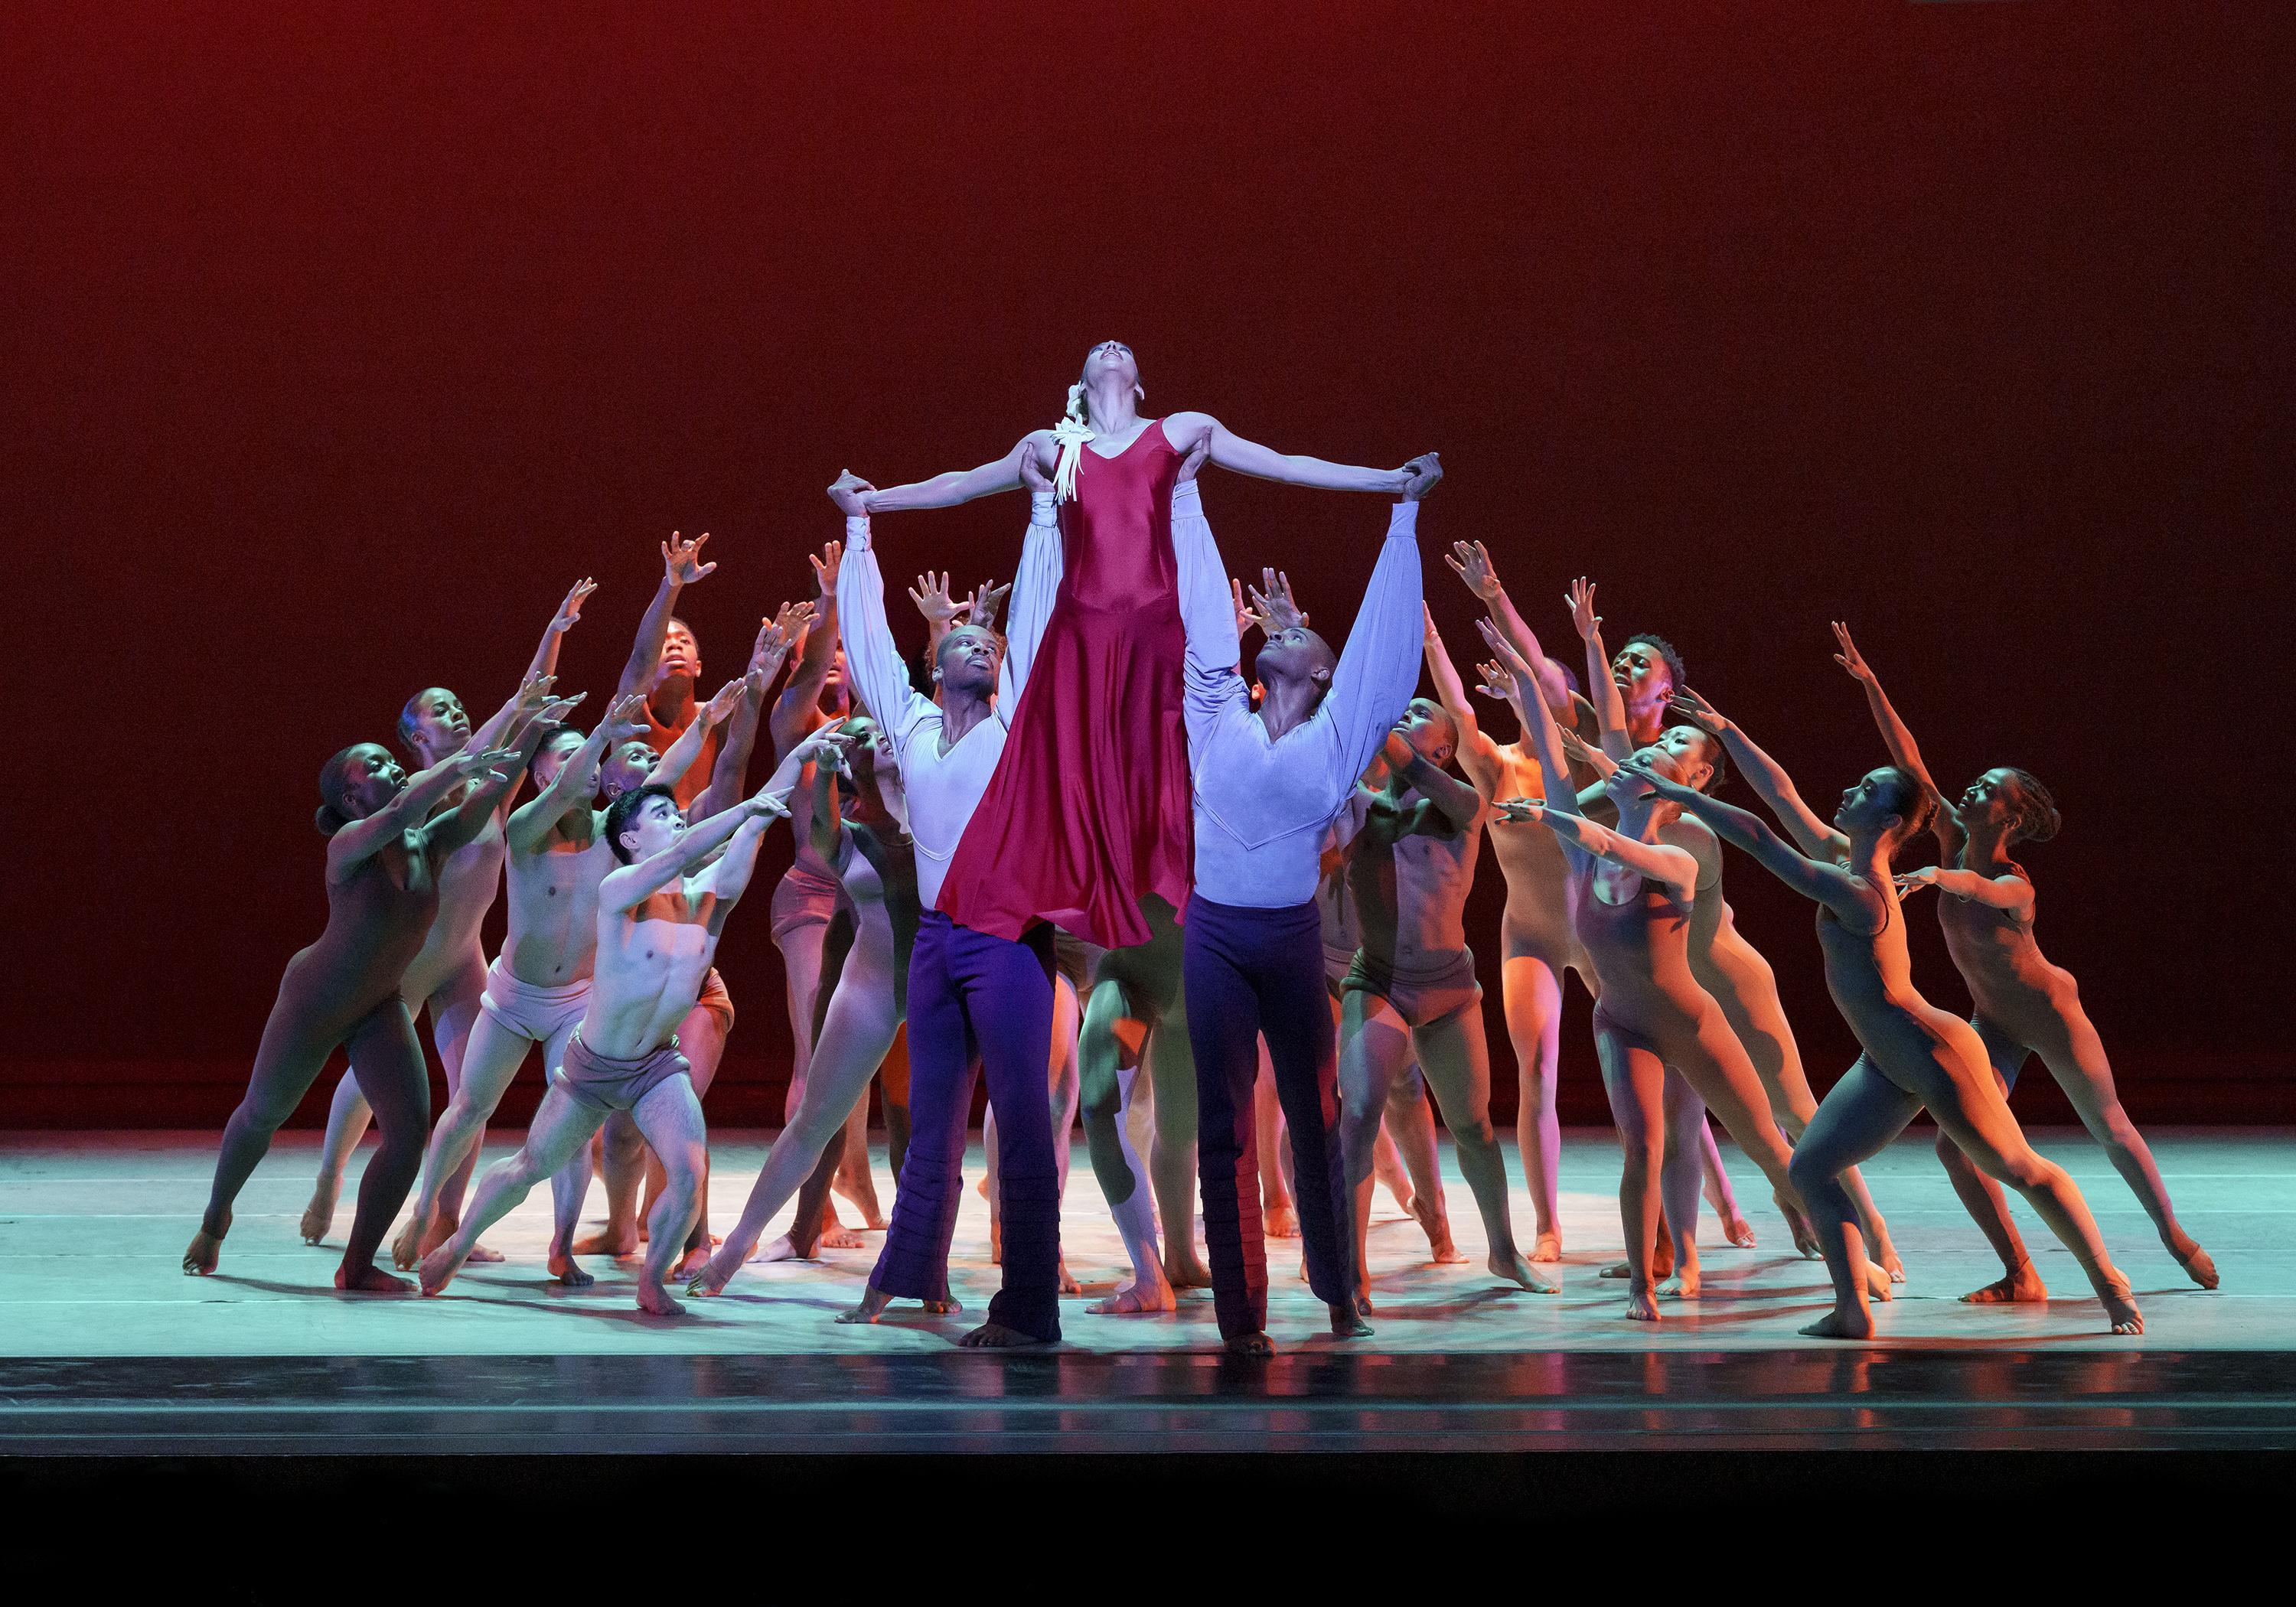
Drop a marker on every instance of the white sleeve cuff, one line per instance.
(1043, 508)
(1404, 520)
(856, 530)
(1186, 491)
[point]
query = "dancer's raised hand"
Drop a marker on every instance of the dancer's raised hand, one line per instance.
(1849, 658)
(1471, 563)
(986, 601)
(681, 560)
(825, 568)
(1577, 747)
(1672, 791)
(764, 802)
(571, 609)
(624, 719)
(1911, 880)
(934, 601)
(1273, 603)
(850, 493)
(1421, 474)
(1692, 710)
(1583, 617)
(1244, 617)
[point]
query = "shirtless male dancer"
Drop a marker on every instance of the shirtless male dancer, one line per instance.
(659, 917)
(1411, 863)
(450, 973)
(1266, 784)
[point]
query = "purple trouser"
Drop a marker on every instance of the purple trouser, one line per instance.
(1249, 971)
(978, 1000)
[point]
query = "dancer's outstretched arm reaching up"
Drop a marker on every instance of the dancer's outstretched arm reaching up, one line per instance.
(1602, 691)
(1765, 775)
(681, 566)
(1904, 752)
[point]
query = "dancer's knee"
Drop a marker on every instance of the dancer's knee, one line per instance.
(1811, 1169)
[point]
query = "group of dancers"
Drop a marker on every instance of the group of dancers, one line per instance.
(1098, 843)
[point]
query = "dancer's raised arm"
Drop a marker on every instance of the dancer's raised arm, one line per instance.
(671, 767)
(1471, 563)
(873, 659)
(545, 655)
(576, 781)
(626, 888)
(1602, 690)
(1479, 755)
(351, 844)
(1904, 752)
(729, 775)
(2009, 892)
(796, 710)
(1764, 774)
(1675, 868)
(1538, 722)
(963, 485)
(681, 566)
(1372, 683)
(1822, 880)
(1229, 450)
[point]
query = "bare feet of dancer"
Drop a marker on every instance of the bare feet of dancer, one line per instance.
(1848, 1323)
(692, 1262)
(1254, 1344)
(654, 1299)
(619, 1242)
(2022, 1287)
(1130, 1299)
(1514, 1269)
(439, 1267)
(1429, 1209)
(1282, 1222)
(2121, 1306)
(862, 1196)
(873, 1301)
(419, 1238)
(319, 1215)
(996, 1336)
(1685, 1283)
(1642, 1302)
(1347, 1323)
(2195, 1261)
(1069, 1285)
(369, 1280)
(1738, 1231)
(1548, 1248)
(1184, 1269)
(205, 1249)
(565, 1269)
(1661, 1261)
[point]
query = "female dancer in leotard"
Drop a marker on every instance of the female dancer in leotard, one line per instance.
(2025, 1005)
(449, 975)
(385, 853)
(1632, 897)
(1093, 810)
(1915, 1054)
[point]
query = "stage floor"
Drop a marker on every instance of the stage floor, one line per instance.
(104, 1345)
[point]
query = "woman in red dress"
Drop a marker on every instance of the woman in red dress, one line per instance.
(1089, 810)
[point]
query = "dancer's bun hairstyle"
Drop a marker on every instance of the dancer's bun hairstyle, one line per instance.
(2034, 816)
(332, 776)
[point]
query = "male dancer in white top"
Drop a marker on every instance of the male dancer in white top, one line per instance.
(1267, 785)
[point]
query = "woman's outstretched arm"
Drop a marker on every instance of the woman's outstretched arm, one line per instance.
(545, 655)
(1658, 862)
(681, 566)
(1471, 563)
(729, 774)
(1230, 451)
(576, 780)
(2011, 894)
(1904, 752)
(1478, 756)
(1610, 706)
(1765, 774)
(1827, 883)
(959, 485)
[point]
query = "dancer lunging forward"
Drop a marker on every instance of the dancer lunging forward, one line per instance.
(1267, 784)
(660, 916)
(2025, 1005)
(1915, 1054)
(384, 854)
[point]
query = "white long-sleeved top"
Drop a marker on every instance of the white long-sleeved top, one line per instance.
(943, 786)
(1263, 806)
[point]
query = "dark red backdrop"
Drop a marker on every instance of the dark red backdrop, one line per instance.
(337, 344)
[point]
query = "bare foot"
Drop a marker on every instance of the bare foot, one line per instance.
(1618, 1269)
(484, 1257)
(1804, 1237)
(1548, 1246)
(691, 1263)
(1663, 1255)
(654, 1299)
(319, 1215)
(996, 1336)
(439, 1267)
(1510, 1265)
(1877, 1282)
(2196, 1263)
(2121, 1306)
(995, 1242)
(873, 1301)
(709, 1278)
(1348, 1324)
(783, 1248)
(567, 1270)
(1437, 1225)
(1069, 1285)
(1683, 1285)
(1254, 1343)
(835, 1237)
(2022, 1287)
(1886, 1258)
(1182, 1269)
(1364, 1307)
(620, 1243)
(1852, 1323)
(1642, 1304)
(205, 1250)
(1130, 1299)
(372, 1280)
(407, 1250)
(1280, 1222)
(1738, 1231)
(862, 1196)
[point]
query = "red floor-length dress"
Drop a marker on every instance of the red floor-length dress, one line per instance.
(1089, 809)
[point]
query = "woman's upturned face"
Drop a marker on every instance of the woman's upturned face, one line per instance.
(441, 726)
(1110, 357)
(370, 779)
(1640, 674)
